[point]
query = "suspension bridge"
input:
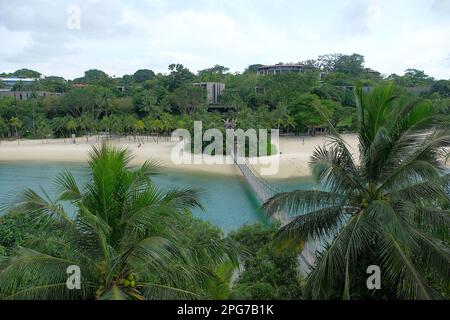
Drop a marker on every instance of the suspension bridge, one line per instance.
(264, 190)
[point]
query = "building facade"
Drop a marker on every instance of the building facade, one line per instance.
(280, 68)
(25, 95)
(213, 91)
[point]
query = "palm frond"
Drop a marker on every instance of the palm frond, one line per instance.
(332, 264)
(34, 275)
(400, 271)
(114, 293)
(187, 198)
(301, 201)
(435, 256)
(333, 170)
(318, 224)
(68, 188)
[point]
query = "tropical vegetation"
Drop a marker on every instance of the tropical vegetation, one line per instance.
(385, 204)
(130, 239)
(150, 104)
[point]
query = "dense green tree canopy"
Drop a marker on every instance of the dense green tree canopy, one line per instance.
(143, 75)
(442, 87)
(269, 273)
(26, 73)
(296, 102)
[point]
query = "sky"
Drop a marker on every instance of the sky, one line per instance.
(67, 37)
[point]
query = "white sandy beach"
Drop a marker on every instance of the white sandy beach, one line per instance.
(293, 162)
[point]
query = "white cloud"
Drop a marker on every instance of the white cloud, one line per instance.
(374, 16)
(14, 43)
(441, 7)
(121, 36)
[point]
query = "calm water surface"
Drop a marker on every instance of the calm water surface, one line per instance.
(228, 201)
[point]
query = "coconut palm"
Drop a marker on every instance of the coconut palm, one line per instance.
(71, 126)
(58, 126)
(16, 124)
(44, 130)
(130, 125)
(124, 234)
(139, 127)
(382, 209)
(86, 122)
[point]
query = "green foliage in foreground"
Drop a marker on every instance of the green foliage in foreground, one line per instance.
(387, 208)
(15, 229)
(130, 239)
(268, 272)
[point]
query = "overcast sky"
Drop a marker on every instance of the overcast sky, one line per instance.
(120, 37)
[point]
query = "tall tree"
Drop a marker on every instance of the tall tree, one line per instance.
(3, 128)
(124, 234)
(143, 75)
(78, 101)
(350, 64)
(418, 77)
(188, 98)
(15, 123)
(178, 76)
(385, 209)
(44, 130)
(442, 87)
(26, 73)
(307, 112)
(214, 74)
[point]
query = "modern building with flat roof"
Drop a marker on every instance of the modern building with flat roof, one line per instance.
(10, 82)
(280, 68)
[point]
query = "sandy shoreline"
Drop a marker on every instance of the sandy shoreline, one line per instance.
(293, 160)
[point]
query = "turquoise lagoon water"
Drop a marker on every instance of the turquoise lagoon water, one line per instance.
(228, 201)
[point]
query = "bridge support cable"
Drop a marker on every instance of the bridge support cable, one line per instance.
(264, 190)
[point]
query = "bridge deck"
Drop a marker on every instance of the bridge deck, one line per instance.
(264, 191)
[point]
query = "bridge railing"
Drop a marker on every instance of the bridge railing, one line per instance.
(264, 191)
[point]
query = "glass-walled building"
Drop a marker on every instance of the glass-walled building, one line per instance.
(280, 68)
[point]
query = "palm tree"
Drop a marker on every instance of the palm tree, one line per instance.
(16, 124)
(58, 125)
(44, 130)
(282, 118)
(157, 126)
(383, 209)
(105, 125)
(71, 126)
(130, 124)
(139, 126)
(124, 235)
(117, 125)
(86, 122)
